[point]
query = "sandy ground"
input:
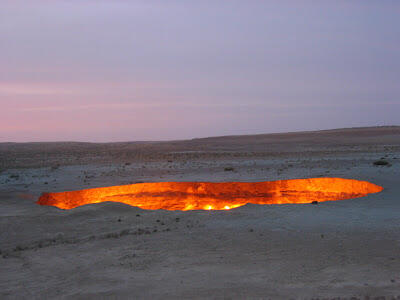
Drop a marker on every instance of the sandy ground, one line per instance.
(331, 250)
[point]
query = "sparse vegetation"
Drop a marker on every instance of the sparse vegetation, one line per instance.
(381, 162)
(55, 167)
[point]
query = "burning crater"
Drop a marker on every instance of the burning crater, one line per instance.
(215, 196)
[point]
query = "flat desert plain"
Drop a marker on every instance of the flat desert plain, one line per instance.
(332, 250)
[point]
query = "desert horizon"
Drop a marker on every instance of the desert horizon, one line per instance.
(212, 136)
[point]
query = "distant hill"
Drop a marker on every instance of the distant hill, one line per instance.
(44, 154)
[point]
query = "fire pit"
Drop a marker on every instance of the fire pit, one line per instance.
(215, 196)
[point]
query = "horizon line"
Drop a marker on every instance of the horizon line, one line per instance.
(206, 137)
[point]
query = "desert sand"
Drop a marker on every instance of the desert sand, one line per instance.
(337, 249)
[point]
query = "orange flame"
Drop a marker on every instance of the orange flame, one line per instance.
(215, 196)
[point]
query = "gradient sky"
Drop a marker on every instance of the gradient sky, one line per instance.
(149, 70)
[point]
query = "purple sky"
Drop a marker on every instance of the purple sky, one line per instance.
(150, 70)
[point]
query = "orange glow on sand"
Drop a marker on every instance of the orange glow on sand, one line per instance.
(215, 196)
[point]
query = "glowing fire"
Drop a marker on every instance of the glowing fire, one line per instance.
(215, 196)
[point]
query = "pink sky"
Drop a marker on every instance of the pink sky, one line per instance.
(140, 70)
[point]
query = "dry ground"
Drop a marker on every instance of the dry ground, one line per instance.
(339, 249)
